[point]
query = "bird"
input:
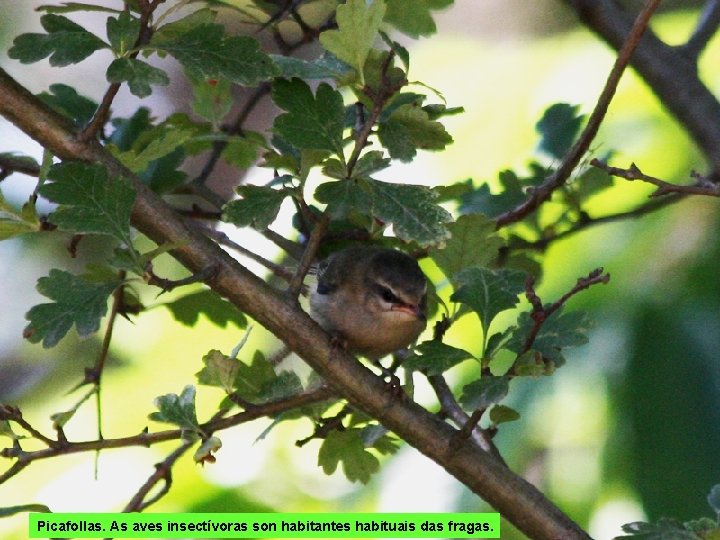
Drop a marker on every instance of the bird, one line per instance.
(372, 299)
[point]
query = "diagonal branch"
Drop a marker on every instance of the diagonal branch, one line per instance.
(543, 192)
(519, 501)
(671, 75)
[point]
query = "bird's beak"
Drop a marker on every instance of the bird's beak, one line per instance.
(411, 309)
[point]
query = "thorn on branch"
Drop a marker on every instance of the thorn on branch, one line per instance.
(167, 285)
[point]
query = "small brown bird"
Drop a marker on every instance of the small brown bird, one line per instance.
(372, 298)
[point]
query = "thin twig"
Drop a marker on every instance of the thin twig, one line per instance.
(702, 187)
(103, 111)
(163, 472)
(586, 222)
(308, 258)
(147, 439)
(543, 192)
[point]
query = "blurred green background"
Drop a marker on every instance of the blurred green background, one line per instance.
(629, 429)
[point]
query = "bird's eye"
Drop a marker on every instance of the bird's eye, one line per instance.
(386, 294)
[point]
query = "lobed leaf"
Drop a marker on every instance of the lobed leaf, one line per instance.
(435, 357)
(90, 201)
(488, 292)
(258, 207)
(473, 242)
(76, 302)
(347, 447)
(358, 24)
(414, 17)
(310, 122)
(485, 391)
(139, 75)
(178, 409)
(207, 52)
(410, 128)
(187, 309)
(65, 43)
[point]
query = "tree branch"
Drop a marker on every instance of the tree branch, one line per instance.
(671, 75)
(706, 28)
(702, 187)
(543, 192)
(519, 501)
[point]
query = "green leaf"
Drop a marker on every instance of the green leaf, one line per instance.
(285, 385)
(483, 392)
(212, 98)
(70, 7)
(14, 222)
(488, 292)
(408, 129)
(312, 122)
(90, 201)
(65, 100)
(139, 75)
(345, 197)
(60, 419)
(252, 378)
(258, 207)
(7, 511)
(167, 140)
(347, 447)
(122, 32)
(412, 211)
(559, 331)
(326, 66)
(436, 357)
(473, 242)
(207, 52)
(220, 370)
(187, 309)
(664, 529)
(414, 17)
(242, 152)
(76, 301)
(7, 431)
(358, 24)
(177, 409)
(559, 126)
(370, 163)
(65, 42)
(502, 413)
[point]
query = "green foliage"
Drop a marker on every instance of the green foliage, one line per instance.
(410, 128)
(358, 24)
(488, 292)
(187, 309)
(65, 100)
(483, 392)
(90, 201)
(65, 43)
(122, 32)
(312, 122)
(414, 17)
(76, 301)
(207, 52)
(14, 222)
(178, 410)
(560, 331)
(435, 357)
(258, 207)
(559, 127)
(139, 75)
(473, 242)
(347, 447)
